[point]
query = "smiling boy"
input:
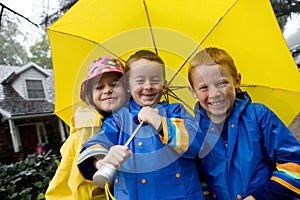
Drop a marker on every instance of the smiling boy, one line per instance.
(251, 154)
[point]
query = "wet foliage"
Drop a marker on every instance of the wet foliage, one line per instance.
(29, 178)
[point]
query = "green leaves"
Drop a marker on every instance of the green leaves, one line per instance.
(27, 179)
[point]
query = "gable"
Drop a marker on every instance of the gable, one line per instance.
(14, 100)
(20, 81)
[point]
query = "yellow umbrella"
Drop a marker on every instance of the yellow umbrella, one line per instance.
(247, 30)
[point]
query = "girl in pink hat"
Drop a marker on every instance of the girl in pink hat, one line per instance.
(103, 91)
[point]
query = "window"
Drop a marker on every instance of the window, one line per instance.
(35, 89)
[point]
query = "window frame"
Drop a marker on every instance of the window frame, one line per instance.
(40, 92)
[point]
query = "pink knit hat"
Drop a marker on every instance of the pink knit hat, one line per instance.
(103, 65)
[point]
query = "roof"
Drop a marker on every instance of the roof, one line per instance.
(20, 70)
(12, 104)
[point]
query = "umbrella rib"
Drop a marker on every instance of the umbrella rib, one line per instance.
(271, 88)
(67, 107)
(166, 96)
(200, 43)
(150, 27)
(97, 43)
(178, 98)
(178, 87)
(101, 45)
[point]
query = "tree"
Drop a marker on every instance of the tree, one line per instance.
(11, 51)
(65, 5)
(283, 9)
(41, 54)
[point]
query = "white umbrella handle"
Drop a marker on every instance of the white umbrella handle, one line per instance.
(134, 134)
(106, 172)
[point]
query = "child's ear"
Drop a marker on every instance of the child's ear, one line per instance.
(238, 80)
(192, 91)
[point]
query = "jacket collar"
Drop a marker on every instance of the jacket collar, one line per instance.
(242, 99)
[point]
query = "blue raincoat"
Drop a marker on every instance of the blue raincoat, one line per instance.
(162, 164)
(257, 147)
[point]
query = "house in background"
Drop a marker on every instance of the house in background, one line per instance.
(27, 111)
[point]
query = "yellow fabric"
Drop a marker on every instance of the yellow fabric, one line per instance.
(180, 135)
(247, 30)
(292, 170)
(165, 137)
(292, 167)
(107, 192)
(286, 184)
(67, 182)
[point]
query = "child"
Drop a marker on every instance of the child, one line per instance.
(39, 149)
(148, 168)
(251, 154)
(103, 93)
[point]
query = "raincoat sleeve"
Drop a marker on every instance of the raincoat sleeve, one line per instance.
(97, 147)
(179, 131)
(67, 182)
(282, 150)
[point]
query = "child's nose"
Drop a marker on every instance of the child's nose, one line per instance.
(148, 85)
(108, 89)
(214, 92)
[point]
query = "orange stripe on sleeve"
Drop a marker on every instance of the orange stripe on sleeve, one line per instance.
(286, 184)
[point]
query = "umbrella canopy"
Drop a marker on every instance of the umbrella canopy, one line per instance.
(247, 30)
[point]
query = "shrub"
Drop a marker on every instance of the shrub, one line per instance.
(29, 178)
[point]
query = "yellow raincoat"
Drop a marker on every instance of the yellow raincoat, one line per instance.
(67, 182)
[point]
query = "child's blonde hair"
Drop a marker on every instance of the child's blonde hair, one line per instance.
(212, 56)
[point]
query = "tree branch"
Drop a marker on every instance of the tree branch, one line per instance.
(16, 13)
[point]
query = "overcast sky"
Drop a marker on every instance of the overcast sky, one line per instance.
(31, 9)
(293, 25)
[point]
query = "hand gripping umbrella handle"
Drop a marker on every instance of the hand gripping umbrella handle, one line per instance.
(134, 134)
(105, 174)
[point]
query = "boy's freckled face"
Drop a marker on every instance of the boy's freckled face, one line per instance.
(109, 93)
(146, 82)
(215, 89)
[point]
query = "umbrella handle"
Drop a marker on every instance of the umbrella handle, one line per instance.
(105, 174)
(134, 134)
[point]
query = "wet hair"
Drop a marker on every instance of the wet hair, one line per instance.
(144, 54)
(212, 56)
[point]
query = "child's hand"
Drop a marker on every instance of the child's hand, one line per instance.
(150, 116)
(116, 156)
(249, 198)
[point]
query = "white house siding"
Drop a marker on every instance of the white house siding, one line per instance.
(20, 83)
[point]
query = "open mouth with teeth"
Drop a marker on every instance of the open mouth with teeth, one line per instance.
(217, 103)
